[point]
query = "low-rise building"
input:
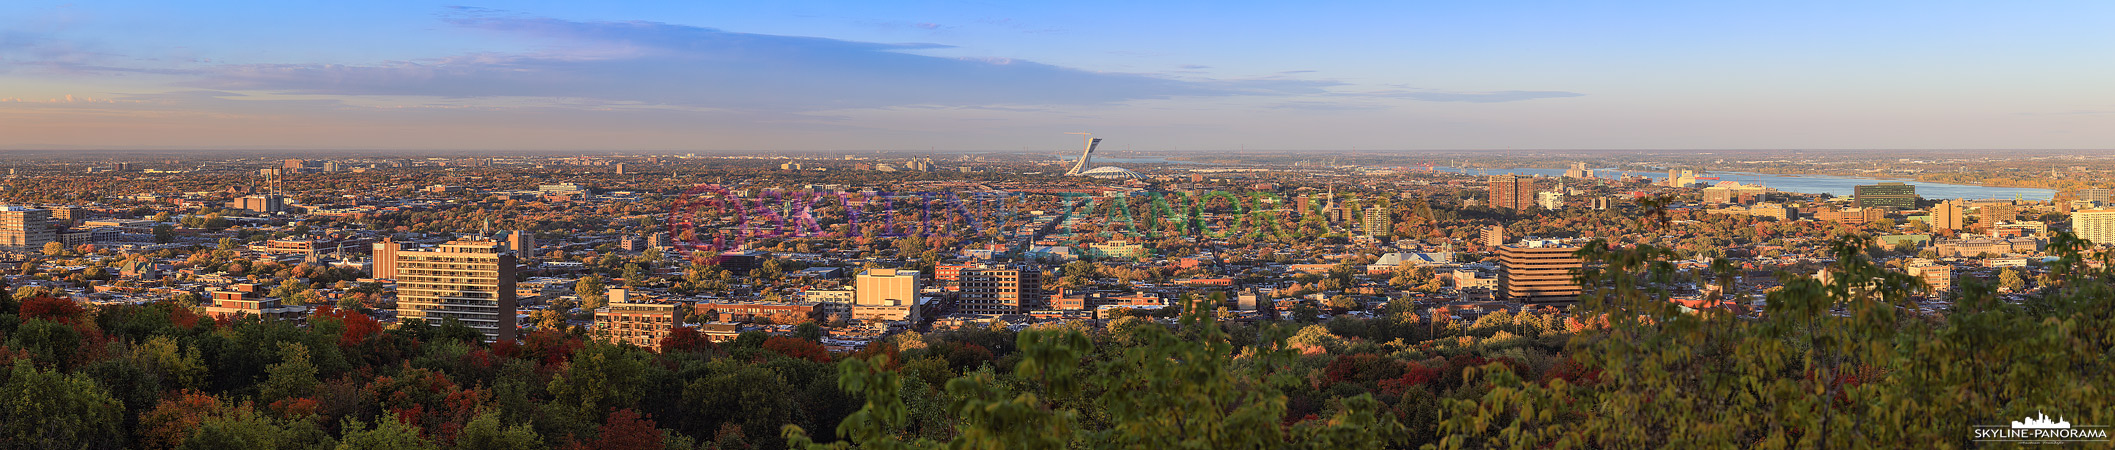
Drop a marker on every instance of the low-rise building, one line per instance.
(638, 321)
(740, 311)
(230, 305)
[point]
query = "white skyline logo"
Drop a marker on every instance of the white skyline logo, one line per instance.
(2039, 429)
(2041, 422)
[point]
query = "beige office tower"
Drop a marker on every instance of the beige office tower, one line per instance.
(886, 287)
(886, 294)
(470, 280)
(25, 229)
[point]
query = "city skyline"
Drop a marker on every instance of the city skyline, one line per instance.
(965, 76)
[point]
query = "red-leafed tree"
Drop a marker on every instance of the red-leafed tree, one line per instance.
(797, 348)
(173, 420)
(358, 328)
(550, 348)
(1417, 376)
(687, 339)
(625, 430)
(62, 310)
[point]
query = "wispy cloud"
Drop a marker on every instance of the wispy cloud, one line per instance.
(1308, 105)
(1471, 97)
(659, 63)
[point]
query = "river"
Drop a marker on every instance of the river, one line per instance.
(1810, 184)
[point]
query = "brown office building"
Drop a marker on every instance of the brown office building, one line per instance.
(1538, 271)
(1512, 192)
(1001, 289)
(384, 258)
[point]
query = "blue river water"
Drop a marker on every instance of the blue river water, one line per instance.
(1809, 184)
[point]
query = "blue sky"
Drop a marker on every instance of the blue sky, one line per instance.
(1192, 76)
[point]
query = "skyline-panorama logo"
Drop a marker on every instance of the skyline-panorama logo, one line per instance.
(2040, 429)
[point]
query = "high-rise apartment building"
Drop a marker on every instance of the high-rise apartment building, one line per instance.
(470, 280)
(1538, 271)
(2096, 225)
(1512, 192)
(24, 228)
(2101, 195)
(523, 243)
(1948, 216)
(68, 215)
(1550, 200)
(1377, 221)
(1000, 289)
(1993, 212)
(1888, 194)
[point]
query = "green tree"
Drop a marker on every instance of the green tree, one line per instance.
(292, 292)
(2010, 280)
(1173, 390)
(387, 434)
(487, 433)
(1344, 303)
(8, 304)
(52, 410)
(294, 375)
(634, 276)
(1836, 363)
(178, 367)
(49, 343)
(599, 378)
(591, 292)
(245, 429)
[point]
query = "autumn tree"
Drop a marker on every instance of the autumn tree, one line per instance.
(46, 409)
(388, 434)
(1173, 390)
(486, 432)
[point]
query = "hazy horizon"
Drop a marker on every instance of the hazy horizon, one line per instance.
(847, 76)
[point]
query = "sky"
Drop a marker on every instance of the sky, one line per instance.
(966, 76)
